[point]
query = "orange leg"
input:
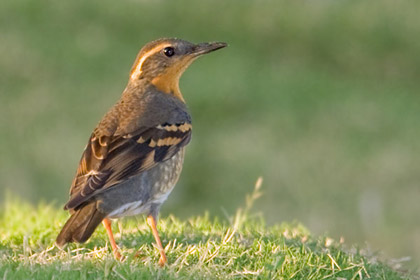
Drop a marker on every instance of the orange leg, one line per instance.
(152, 223)
(107, 224)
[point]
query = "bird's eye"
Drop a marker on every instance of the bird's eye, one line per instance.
(169, 51)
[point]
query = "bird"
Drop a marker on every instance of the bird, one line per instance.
(134, 156)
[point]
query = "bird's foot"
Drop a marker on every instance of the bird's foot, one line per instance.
(162, 260)
(118, 256)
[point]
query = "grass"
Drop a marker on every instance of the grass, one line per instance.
(242, 247)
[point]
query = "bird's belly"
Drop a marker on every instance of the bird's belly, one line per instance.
(129, 209)
(144, 193)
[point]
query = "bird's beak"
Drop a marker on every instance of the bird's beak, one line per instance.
(204, 48)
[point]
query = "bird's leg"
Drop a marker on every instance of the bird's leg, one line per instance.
(151, 221)
(107, 224)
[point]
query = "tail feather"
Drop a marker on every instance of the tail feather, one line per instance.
(81, 225)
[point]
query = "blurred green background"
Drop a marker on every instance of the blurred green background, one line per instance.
(321, 98)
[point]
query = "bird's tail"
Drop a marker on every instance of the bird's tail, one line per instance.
(81, 225)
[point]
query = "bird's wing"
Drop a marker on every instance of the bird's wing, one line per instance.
(109, 160)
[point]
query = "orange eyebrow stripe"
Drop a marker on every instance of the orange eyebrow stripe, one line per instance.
(137, 70)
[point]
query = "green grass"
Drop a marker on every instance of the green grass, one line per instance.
(242, 247)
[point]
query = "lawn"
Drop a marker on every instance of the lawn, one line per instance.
(239, 247)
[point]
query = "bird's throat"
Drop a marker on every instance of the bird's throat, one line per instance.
(168, 81)
(168, 84)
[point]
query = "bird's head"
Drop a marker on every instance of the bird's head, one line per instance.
(163, 61)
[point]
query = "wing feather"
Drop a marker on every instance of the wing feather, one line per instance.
(110, 160)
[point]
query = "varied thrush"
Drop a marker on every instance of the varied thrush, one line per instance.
(135, 154)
